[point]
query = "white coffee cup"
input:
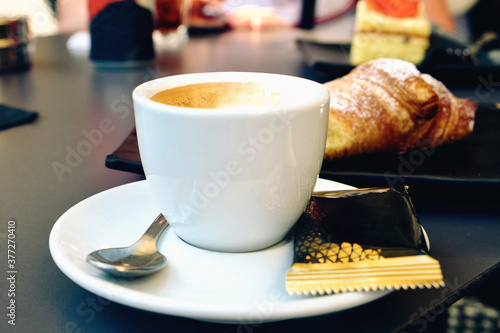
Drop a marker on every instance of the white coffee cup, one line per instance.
(234, 179)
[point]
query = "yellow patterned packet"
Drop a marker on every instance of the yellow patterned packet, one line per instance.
(361, 240)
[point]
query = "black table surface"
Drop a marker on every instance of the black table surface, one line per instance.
(72, 97)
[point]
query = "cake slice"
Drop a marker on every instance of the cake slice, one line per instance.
(390, 29)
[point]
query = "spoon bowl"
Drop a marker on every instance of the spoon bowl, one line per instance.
(139, 259)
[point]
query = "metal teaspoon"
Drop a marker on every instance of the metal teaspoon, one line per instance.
(139, 259)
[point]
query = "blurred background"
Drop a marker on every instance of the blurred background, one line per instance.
(468, 18)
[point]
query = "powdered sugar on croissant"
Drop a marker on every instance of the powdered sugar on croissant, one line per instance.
(388, 106)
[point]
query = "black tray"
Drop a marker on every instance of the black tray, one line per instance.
(474, 160)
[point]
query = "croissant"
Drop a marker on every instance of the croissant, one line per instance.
(388, 106)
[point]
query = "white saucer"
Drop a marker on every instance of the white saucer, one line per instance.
(240, 288)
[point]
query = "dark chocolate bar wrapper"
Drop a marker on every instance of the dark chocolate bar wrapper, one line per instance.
(361, 240)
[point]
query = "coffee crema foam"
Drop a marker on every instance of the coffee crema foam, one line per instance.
(220, 95)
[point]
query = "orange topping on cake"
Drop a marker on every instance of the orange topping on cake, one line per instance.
(394, 8)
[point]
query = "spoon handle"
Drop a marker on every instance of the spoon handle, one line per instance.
(156, 228)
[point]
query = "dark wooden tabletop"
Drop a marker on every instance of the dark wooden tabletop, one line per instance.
(72, 98)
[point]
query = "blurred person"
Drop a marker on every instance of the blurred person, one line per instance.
(263, 14)
(279, 13)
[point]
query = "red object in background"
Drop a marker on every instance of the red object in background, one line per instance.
(96, 6)
(395, 8)
(168, 14)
